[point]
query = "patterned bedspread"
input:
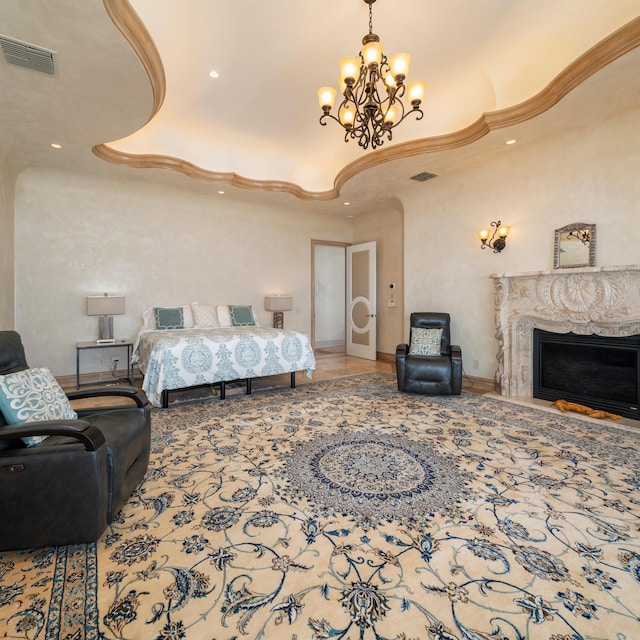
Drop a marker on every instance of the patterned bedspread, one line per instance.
(181, 358)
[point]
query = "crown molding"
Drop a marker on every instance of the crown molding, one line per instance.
(128, 22)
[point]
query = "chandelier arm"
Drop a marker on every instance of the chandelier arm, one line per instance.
(331, 116)
(417, 112)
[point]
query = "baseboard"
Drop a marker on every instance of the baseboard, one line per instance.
(329, 344)
(388, 358)
(469, 383)
(69, 382)
(474, 383)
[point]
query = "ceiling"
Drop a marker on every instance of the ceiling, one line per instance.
(132, 98)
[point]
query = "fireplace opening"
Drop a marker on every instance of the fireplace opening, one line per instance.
(597, 371)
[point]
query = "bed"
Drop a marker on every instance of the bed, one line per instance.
(177, 351)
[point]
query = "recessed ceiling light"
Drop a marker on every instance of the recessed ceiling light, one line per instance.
(214, 74)
(56, 146)
(512, 141)
(349, 217)
(346, 204)
(221, 193)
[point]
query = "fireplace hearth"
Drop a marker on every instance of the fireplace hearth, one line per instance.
(598, 371)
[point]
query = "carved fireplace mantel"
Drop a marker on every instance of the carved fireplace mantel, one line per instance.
(587, 300)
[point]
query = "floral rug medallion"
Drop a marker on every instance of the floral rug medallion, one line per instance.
(347, 510)
(371, 477)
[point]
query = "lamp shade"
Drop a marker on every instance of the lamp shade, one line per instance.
(417, 91)
(278, 303)
(327, 97)
(399, 65)
(105, 305)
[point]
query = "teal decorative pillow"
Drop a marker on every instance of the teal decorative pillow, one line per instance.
(425, 342)
(241, 316)
(171, 318)
(33, 395)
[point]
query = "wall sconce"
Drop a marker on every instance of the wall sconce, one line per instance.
(499, 243)
(106, 307)
(278, 304)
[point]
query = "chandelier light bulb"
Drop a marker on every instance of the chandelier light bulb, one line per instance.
(417, 91)
(372, 53)
(349, 69)
(348, 116)
(391, 115)
(327, 97)
(399, 65)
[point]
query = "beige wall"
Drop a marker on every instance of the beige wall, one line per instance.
(77, 236)
(584, 174)
(7, 181)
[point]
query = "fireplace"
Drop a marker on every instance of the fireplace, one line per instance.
(585, 301)
(598, 371)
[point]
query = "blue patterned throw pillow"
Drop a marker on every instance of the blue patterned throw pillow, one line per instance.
(172, 318)
(425, 342)
(241, 316)
(33, 395)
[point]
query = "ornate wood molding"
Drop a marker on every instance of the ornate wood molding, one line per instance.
(128, 22)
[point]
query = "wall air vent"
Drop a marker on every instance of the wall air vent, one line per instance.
(424, 176)
(28, 56)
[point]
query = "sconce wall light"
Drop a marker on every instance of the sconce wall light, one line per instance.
(497, 244)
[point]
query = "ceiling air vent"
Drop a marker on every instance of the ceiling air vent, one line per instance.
(424, 176)
(26, 55)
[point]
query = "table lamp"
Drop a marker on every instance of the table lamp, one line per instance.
(278, 304)
(106, 307)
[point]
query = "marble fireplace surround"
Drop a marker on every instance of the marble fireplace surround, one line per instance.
(586, 300)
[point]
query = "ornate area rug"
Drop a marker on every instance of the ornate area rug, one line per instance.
(348, 510)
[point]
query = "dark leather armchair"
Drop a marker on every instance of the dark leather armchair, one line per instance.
(68, 488)
(439, 374)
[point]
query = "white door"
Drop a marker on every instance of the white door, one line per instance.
(361, 301)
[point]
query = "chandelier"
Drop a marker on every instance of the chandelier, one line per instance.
(373, 88)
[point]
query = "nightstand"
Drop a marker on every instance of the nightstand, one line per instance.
(116, 344)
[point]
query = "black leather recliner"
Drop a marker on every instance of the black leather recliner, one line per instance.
(68, 488)
(434, 375)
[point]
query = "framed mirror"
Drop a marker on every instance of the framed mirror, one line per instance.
(575, 246)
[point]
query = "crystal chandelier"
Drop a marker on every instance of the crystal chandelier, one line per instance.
(372, 87)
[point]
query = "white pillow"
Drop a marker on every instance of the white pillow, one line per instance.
(224, 317)
(205, 315)
(187, 316)
(425, 342)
